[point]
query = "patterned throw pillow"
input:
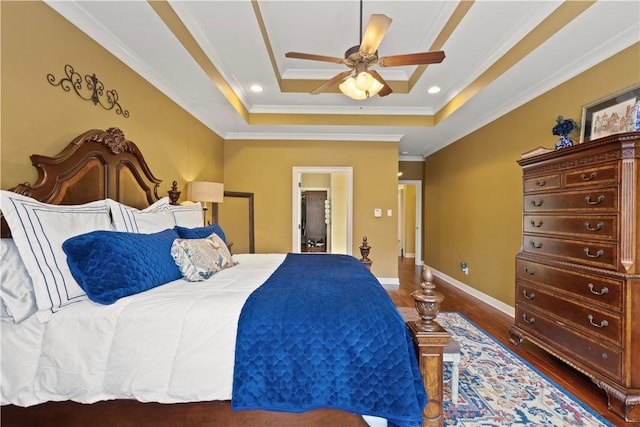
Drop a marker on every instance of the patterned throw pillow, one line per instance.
(199, 259)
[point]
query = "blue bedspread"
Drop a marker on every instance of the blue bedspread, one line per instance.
(321, 332)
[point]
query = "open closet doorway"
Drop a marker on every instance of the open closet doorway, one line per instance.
(322, 209)
(410, 219)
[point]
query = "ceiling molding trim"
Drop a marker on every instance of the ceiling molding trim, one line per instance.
(390, 73)
(562, 16)
(306, 86)
(340, 120)
(334, 109)
(448, 29)
(267, 136)
(179, 30)
(267, 42)
(411, 159)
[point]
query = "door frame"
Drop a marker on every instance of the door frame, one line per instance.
(418, 213)
(296, 193)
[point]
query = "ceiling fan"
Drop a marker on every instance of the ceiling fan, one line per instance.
(365, 82)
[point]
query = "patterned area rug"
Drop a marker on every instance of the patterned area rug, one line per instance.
(498, 388)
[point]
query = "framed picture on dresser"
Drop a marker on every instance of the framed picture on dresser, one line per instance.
(615, 113)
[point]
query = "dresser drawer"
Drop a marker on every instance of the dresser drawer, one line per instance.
(542, 183)
(601, 199)
(591, 287)
(591, 227)
(597, 355)
(592, 176)
(590, 320)
(598, 254)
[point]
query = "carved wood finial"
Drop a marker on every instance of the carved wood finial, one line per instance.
(114, 140)
(427, 301)
(364, 251)
(174, 193)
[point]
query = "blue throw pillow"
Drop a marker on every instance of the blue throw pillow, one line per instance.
(200, 232)
(110, 265)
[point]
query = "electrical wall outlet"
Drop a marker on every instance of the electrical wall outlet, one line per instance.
(464, 267)
(377, 213)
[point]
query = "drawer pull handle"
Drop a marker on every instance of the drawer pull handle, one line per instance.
(541, 183)
(598, 254)
(535, 245)
(589, 177)
(527, 295)
(602, 324)
(605, 356)
(536, 224)
(528, 319)
(599, 200)
(529, 272)
(538, 203)
(604, 290)
(598, 226)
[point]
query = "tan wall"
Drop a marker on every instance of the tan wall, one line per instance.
(473, 189)
(40, 118)
(266, 169)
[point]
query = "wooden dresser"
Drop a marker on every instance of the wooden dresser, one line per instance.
(577, 274)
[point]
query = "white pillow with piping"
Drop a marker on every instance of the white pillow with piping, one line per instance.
(152, 219)
(38, 230)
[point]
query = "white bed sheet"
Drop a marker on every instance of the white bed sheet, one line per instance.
(173, 343)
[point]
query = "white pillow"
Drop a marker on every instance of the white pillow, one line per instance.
(189, 216)
(38, 230)
(199, 259)
(152, 219)
(18, 299)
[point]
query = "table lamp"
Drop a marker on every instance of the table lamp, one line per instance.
(204, 192)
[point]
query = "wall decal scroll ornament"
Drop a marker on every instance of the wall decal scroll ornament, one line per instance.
(93, 91)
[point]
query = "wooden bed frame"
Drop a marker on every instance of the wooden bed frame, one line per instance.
(104, 164)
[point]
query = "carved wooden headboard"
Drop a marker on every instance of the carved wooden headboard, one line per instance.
(96, 165)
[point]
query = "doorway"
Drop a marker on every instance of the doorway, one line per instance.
(331, 190)
(410, 219)
(315, 216)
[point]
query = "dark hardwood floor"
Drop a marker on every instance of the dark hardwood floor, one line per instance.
(496, 323)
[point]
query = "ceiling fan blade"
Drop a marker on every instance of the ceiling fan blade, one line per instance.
(312, 57)
(434, 57)
(334, 80)
(374, 33)
(386, 90)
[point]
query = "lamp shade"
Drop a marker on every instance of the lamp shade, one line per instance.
(204, 191)
(363, 86)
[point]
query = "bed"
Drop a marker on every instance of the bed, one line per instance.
(160, 350)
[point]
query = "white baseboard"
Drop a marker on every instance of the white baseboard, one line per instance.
(495, 303)
(392, 283)
(409, 255)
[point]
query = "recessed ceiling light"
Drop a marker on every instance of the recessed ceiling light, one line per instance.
(433, 89)
(256, 88)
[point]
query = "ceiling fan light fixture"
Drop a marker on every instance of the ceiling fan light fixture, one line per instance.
(364, 80)
(361, 87)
